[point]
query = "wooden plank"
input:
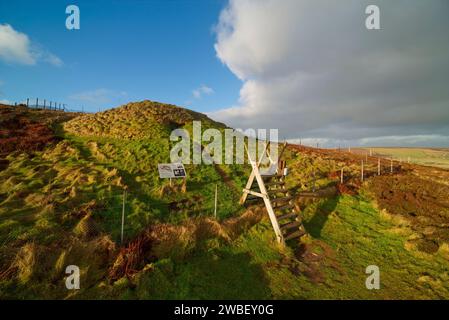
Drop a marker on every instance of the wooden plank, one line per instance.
(287, 216)
(254, 193)
(274, 183)
(290, 225)
(310, 195)
(295, 234)
(274, 191)
(287, 206)
(276, 200)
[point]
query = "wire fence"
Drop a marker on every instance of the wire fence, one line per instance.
(45, 104)
(122, 213)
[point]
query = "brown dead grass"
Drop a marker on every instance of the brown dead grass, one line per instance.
(177, 241)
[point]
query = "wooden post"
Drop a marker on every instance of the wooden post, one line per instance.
(313, 185)
(391, 165)
(341, 176)
(123, 216)
(216, 198)
(378, 166)
(184, 185)
(37, 102)
(349, 149)
(362, 171)
(28, 102)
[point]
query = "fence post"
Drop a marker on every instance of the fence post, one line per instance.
(391, 165)
(123, 216)
(28, 102)
(216, 198)
(362, 171)
(37, 102)
(341, 176)
(313, 185)
(378, 166)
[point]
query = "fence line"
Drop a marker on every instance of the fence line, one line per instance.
(44, 104)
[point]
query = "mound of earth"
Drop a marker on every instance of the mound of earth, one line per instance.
(137, 120)
(27, 130)
(422, 202)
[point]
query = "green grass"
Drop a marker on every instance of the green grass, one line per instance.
(44, 196)
(348, 234)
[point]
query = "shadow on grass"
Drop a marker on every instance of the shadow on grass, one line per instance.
(315, 225)
(224, 275)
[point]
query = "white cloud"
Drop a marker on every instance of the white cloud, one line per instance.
(16, 47)
(202, 90)
(99, 96)
(312, 69)
(4, 101)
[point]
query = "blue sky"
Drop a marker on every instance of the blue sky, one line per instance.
(310, 68)
(125, 51)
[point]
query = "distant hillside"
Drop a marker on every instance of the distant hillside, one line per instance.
(137, 120)
(435, 157)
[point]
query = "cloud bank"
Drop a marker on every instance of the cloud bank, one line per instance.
(16, 48)
(312, 69)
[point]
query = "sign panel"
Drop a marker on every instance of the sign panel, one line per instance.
(171, 170)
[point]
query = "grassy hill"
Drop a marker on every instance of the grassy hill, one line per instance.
(61, 203)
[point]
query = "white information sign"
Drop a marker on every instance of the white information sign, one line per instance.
(171, 170)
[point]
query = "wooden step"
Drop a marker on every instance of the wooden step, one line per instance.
(275, 200)
(287, 206)
(253, 198)
(274, 183)
(287, 216)
(274, 191)
(295, 234)
(309, 195)
(290, 225)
